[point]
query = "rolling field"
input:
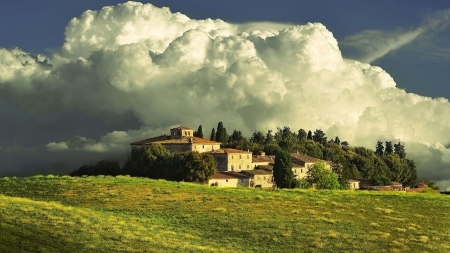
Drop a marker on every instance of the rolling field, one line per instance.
(123, 214)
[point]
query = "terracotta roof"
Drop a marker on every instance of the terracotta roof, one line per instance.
(301, 159)
(265, 167)
(352, 181)
(257, 172)
(260, 159)
(182, 128)
(164, 139)
(229, 175)
(228, 151)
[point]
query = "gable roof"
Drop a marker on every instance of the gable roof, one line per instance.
(257, 172)
(301, 159)
(165, 140)
(182, 128)
(260, 159)
(229, 175)
(228, 151)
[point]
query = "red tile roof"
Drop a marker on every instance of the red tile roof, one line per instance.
(228, 151)
(164, 139)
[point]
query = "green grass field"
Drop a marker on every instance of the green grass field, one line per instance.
(123, 214)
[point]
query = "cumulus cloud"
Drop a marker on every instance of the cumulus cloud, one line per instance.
(167, 69)
(53, 146)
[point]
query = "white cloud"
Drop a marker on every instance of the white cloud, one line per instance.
(167, 69)
(53, 146)
(374, 44)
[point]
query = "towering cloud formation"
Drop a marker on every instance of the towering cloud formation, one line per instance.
(166, 69)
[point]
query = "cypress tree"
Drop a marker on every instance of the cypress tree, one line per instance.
(388, 150)
(282, 169)
(379, 149)
(309, 137)
(199, 132)
(213, 135)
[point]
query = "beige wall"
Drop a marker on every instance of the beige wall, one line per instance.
(264, 180)
(231, 182)
(239, 161)
(300, 172)
(205, 147)
(353, 185)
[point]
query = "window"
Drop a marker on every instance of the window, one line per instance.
(295, 170)
(242, 180)
(264, 178)
(232, 157)
(203, 146)
(226, 180)
(239, 166)
(240, 157)
(248, 166)
(232, 167)
(248, 157)
(301, 170)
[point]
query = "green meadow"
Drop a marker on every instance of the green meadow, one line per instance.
(124, 214)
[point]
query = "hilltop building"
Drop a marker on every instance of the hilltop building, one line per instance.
(181, 139)
(235, 168)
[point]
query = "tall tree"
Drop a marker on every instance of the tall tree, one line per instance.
(309, 137)
(221, 133)
(286, 139)
(199, 132)
(337, 141)
(237, 136)
(282, 169)
(320, 137)
(388, 150)
(269, 137)
(213, 135)
(301, 137)
(379, 149)
(399, 149)
(257, 137)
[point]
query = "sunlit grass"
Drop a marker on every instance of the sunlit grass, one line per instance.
(123, 214)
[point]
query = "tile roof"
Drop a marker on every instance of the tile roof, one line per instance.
(228, 151)
(301, 159)
(265, 167)
(182, 128)
(260, 159)
(229, 175)
(164, 139)
(257, 172)
(352, 181)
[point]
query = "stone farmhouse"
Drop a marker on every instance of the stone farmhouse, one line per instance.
(180, 139)
(235, 168)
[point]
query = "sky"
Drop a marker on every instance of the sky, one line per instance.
(78, 86)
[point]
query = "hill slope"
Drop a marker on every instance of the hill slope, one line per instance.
(106, 214)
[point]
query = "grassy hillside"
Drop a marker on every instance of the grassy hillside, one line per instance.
(106, 214)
